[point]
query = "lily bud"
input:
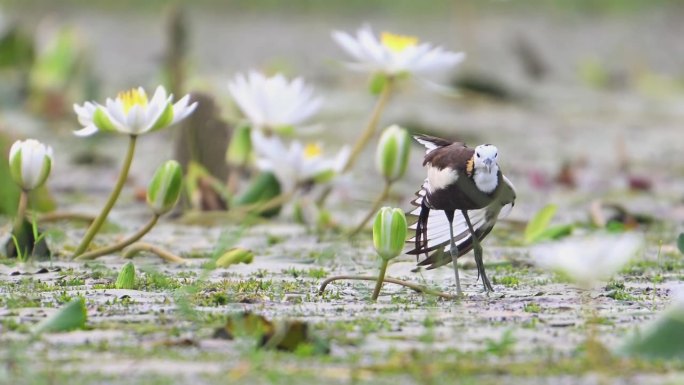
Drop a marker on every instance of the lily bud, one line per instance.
(126, 278)
(165, 187)
(234, 256)
(30, 163)
(389, 232)
(391, 157)
(240, 147)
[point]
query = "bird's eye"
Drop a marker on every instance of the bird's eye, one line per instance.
(478, 154)
(496, 155)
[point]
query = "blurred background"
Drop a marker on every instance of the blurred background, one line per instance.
(582, 96)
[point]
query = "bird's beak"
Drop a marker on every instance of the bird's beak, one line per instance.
(488, 165)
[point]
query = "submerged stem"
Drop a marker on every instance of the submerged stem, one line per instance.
(163, 254)
(410, 285)
(58, 216)
(118, 246)
(97, 223)
(376, 205)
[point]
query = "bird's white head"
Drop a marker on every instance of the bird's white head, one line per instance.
(485, 157)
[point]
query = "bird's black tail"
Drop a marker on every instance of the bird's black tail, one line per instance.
(421, 228)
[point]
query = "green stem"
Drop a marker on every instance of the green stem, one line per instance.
(371, 126)
(260, 207)
(418, 288)
(118, 246)
(97, 223)
(21, 213)
(163, 254)
(381, 278)
(374, 208)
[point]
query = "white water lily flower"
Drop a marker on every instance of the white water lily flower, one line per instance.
(273, 103)
(132, 113)
(589, 260)
(30, 163)
(395, 54)
(297, 163)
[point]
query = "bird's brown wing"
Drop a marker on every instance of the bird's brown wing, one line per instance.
(432, 142)
(436, 244)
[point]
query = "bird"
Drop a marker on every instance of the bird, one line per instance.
(468, 185)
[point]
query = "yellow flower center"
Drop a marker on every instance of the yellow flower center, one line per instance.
(312, 150)
(397, 43)
(132, 97)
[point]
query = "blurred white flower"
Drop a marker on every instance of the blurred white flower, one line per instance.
(297, 163)
(395, 54)
(30, 163)
(588, 260)
(273, 103)
(131, 113)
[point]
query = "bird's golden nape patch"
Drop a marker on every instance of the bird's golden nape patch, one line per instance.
(470, 166)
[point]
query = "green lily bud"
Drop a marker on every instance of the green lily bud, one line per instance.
(391, 157)
(389, 232)
(30, 163)
(165, 187)
(126, 278)
(234, 256)
(240, 147)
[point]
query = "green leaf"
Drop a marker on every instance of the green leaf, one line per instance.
(16, 48)
(71, 316)
(284, 335)
(55, 65)
(680, 243)
(555, 232)
(662, 338)
(262, 189)
(240, 146)
(537, 225)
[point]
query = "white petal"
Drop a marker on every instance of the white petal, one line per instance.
(160, 98)
(350, 45)
(181, 109)
(135, 120)
(86, 131)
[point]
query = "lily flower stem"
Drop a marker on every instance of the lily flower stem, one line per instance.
(18, 224)
(381, 278)
(376, 205)
(163, 254)
(97, 223)
(365, 137)
(118, 246)
(410, 285)
(371, 126)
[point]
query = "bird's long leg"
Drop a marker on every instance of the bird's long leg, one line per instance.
(477, 250)
(453, 251)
